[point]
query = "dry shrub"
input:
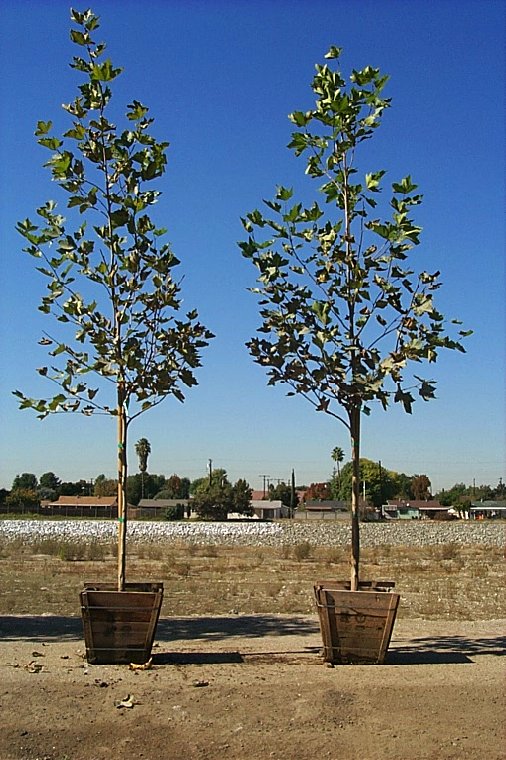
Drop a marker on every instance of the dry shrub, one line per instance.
(150, 552)
(336, 556)
(302, 551)
(96, 552)
(208, 550)
(183, 569)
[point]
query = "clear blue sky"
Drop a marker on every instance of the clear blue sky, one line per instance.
(220, 79)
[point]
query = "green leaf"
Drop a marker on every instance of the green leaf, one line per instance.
(405, 186)
(333, 52)
(299, 118)
(78, 37)
(43, 127)
(405, 398)
(104, 72)
(136, 111)
(283, 193)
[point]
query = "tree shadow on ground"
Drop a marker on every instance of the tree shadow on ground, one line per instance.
(445, 650)
(247, 626)
(53, 627)
(40, 627)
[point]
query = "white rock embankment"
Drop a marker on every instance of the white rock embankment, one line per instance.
(258, 534)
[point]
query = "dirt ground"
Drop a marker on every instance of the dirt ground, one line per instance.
(252, 686)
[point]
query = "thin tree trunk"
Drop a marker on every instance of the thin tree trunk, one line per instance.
(355, 497)
(122, 480)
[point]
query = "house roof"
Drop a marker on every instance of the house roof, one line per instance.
(488, 504)
(415, 504)
(85, 501)
(158, 503)
(262, 504)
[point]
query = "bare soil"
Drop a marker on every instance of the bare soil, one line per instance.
(232, 681)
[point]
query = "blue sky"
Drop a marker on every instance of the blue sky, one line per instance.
(220, 79)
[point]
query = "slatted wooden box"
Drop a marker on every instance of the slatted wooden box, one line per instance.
(120, 626)
(356, 626)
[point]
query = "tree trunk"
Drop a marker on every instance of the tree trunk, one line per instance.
(354, 418)
(122, 481)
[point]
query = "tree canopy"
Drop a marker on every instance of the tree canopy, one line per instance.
(110, 271)
(215, 497)
(345, 320)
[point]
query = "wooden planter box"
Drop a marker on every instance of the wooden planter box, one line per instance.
(356, 626)
(119, 626)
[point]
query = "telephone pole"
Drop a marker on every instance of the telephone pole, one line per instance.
(266, 481)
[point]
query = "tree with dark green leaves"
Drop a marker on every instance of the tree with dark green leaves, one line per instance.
(215, 497)
(175, 488)
(378, 483)
(49, 480)
(283, 492)
(27, 481)
(145, 486)
(110, 274)
(344, 315)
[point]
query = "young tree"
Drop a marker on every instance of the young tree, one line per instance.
(343, 315)
(112, 280)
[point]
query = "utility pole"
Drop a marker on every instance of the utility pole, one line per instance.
(266, 480)
(292, 495)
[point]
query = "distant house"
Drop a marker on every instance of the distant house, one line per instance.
(269, 510)
(324, 509)
(487, 509)
(82, 506)
(413, 509)
(157, 508)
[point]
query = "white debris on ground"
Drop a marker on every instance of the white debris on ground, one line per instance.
(289, 532)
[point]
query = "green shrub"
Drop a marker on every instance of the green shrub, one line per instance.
(175, 512)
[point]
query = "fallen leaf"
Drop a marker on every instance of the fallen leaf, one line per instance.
(38, 654)
(33, 667)
(127, 702)
(146, 666)
(200, 683)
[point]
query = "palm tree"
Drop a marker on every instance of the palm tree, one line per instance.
(143, 450)
(338, 456)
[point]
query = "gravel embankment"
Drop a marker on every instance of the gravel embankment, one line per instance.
(259, 534)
